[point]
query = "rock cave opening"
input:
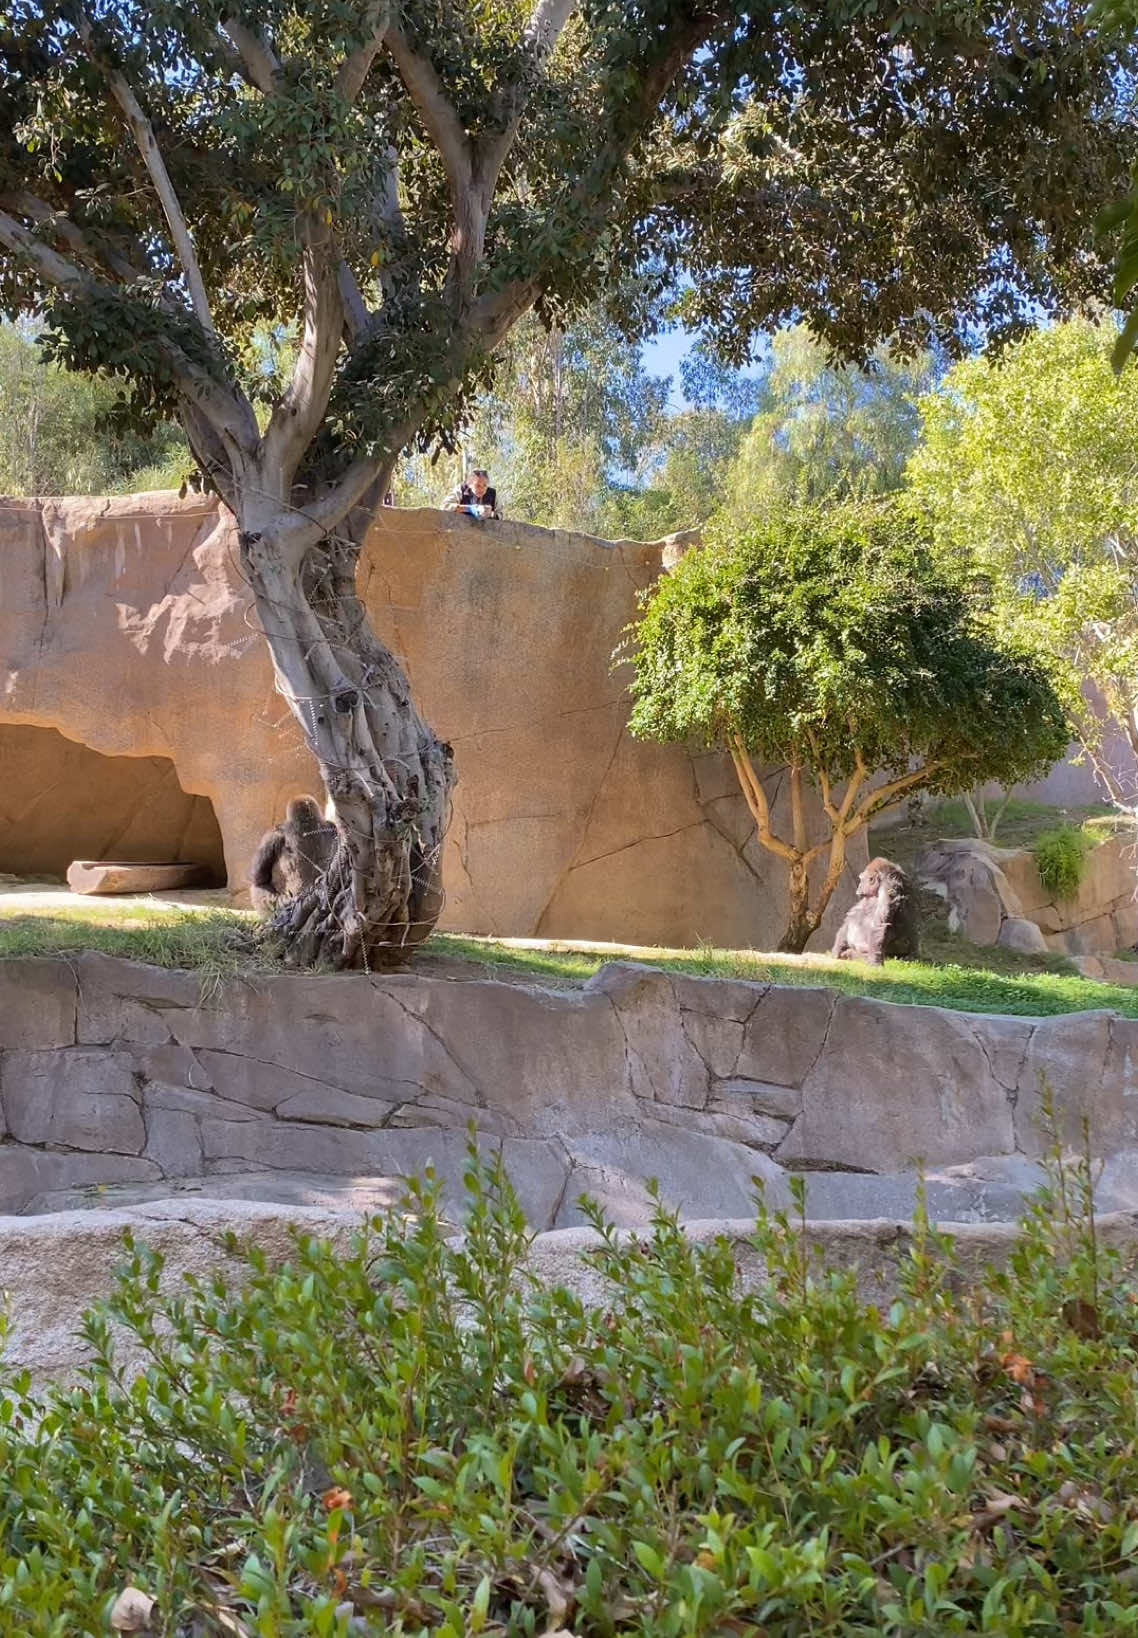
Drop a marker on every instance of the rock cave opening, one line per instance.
(61, 801)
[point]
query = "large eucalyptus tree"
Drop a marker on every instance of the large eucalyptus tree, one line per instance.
(407, 179)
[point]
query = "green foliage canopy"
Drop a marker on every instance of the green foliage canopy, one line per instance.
(174, 175)
(822, 636)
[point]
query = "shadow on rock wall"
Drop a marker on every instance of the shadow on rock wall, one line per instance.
(60, 801)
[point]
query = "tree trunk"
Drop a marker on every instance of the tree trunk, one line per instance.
(801, 920)
(388, 775)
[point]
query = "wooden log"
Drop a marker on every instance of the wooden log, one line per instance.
(104, 876)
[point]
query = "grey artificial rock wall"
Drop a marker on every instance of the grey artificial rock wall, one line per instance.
(113, 1073)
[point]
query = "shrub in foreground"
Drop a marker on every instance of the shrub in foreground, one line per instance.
(418, 1439)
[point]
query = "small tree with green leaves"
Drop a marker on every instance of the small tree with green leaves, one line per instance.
(828, 645)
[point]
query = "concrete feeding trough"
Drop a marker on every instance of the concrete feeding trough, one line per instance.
(109, 876)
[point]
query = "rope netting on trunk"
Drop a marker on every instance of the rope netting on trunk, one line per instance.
(388, 775)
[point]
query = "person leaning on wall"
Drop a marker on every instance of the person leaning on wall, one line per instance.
(478, 499)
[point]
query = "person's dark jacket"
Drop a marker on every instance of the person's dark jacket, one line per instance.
(465, 496)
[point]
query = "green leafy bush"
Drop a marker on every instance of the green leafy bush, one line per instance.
(829, 642)
(420, 1439)
(1060, 858)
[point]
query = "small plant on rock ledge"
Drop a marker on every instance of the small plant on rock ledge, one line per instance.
(420, 1439)
(1061, 859)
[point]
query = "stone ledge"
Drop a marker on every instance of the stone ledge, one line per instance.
(117, 1073)
(54, 1268)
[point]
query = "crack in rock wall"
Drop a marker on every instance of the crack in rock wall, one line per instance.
(117, 1076)
(126, 626)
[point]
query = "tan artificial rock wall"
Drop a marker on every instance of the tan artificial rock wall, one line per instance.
(61, 801)
(990, 889)
(126, 626)
(1101, 916)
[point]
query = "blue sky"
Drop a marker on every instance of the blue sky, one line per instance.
(662, 356)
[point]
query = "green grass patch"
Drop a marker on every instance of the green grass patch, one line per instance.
(166, 936)
(415, 1436)
(972, 980)
(223, 943)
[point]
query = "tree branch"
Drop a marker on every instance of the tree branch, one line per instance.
(387, 218)
(546, 26)
(297, 418)
(824, 785)
(228, 413)
(887, 796)
(856, 780)
(147, 144)
(355, 68)
(22, 203)
(356, 315)
(56, 269)
(756, 799)
(493, 313)
(262, 66)
(797, 810)
(539, 42)
(435, 109)
(387, 210)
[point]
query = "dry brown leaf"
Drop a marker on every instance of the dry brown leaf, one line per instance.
(131, 1611)
(558, 1595)
(705, 1560)
(996, 1508)
(1083, 1318)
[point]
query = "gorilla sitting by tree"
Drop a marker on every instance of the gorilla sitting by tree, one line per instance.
(883, 920)
(293, 855)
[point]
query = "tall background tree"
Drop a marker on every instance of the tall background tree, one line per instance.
(1029, 464)
(566, 412)
(59, 434)
(404, 182)
(826, 430)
